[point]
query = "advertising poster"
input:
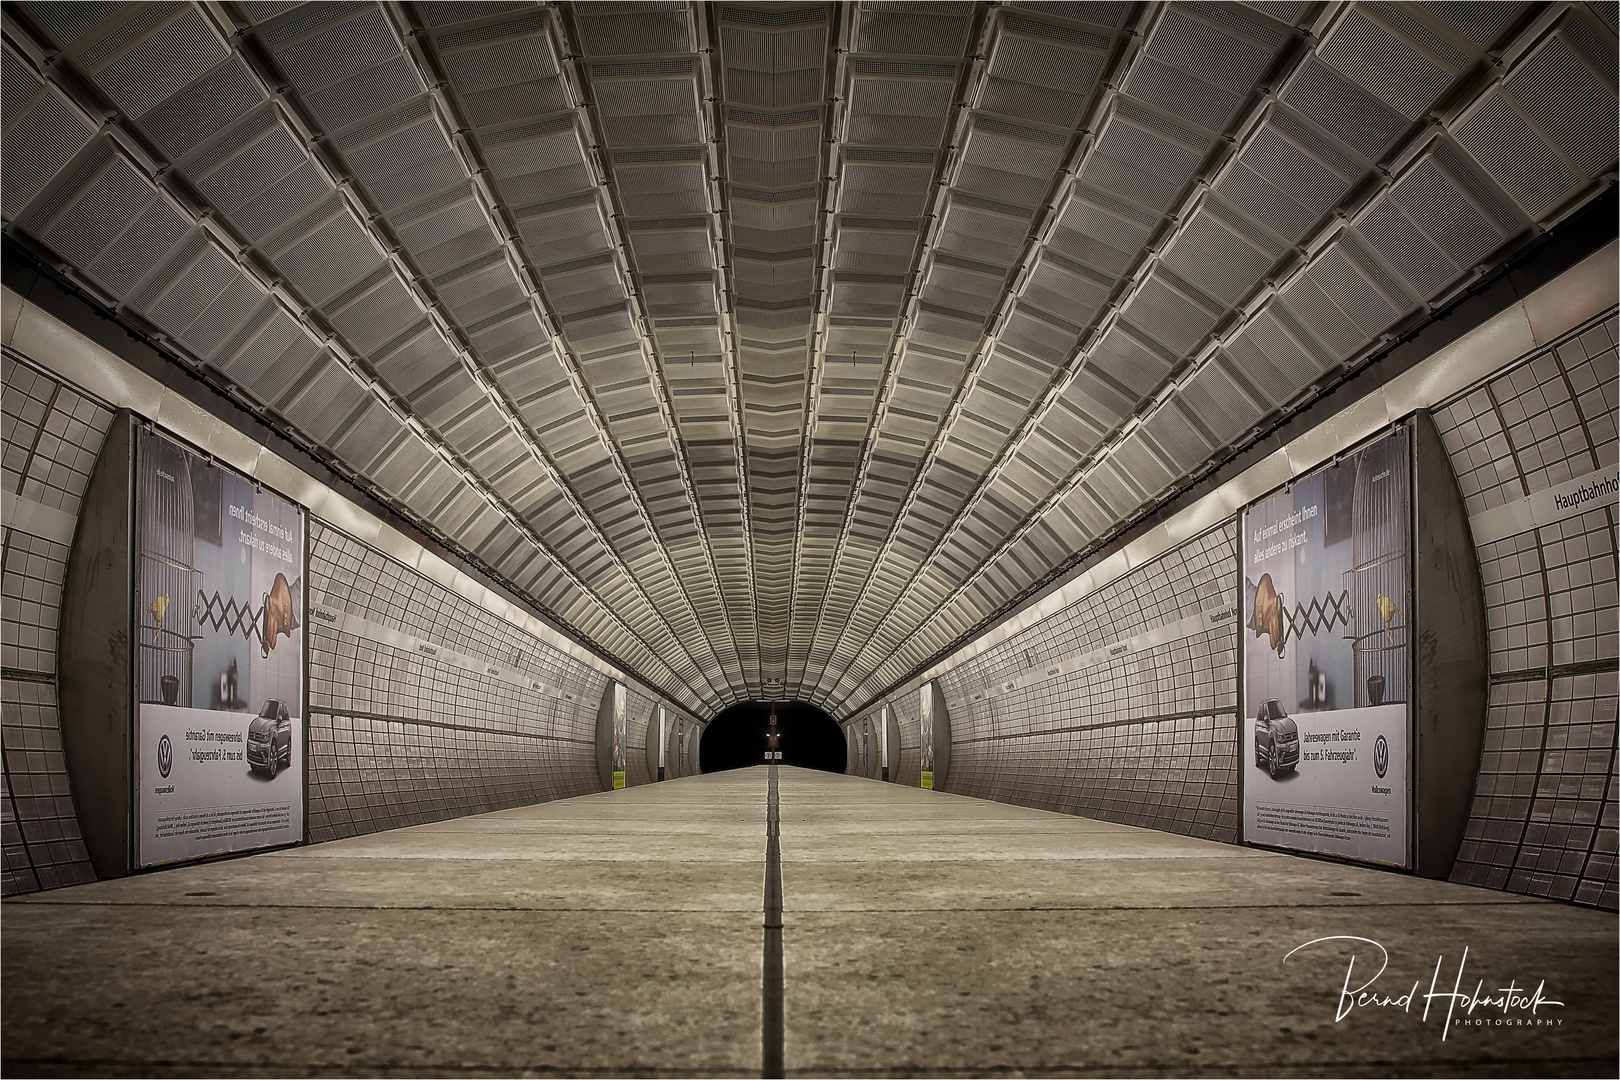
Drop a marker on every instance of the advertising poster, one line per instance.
(926, 724)
(618, 734)
(220, 670)
(1324, 727)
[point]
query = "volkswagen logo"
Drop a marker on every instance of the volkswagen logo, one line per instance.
(166, 757)
(1381, 756)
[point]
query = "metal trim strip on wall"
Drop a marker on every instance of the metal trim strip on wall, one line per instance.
(37, 519)
(1577, 495)
(422, 648)
(1163, 634)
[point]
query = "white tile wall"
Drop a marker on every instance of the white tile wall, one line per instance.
(51, 437)
(1545, 814)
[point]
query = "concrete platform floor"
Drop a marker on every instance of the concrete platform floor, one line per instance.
(925, 934)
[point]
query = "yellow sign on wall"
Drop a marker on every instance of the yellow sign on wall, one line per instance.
(618, 779)
(928, 779)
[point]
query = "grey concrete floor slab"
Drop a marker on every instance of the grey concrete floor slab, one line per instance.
(324, 991)
(615, 934)
(921, 943)
(623, 884)
(926, 934)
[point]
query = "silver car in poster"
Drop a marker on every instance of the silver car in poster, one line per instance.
(1276, 739)
(269, 739)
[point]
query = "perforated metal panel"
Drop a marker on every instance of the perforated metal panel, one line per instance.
(1547, 131)
(732, 332)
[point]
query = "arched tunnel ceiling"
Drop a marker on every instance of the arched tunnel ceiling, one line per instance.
(774, 346)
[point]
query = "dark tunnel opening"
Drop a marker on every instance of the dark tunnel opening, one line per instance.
(809, 738)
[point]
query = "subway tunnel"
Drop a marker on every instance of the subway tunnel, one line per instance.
(840, 539)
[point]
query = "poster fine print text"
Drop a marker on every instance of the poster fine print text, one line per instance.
(219, 680)
(1325, 721)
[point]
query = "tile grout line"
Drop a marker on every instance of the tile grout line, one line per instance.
(771, 1028)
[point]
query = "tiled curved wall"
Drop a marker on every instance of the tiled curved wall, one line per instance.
(397, 738)
(638, 709)
(1545, 812)
(908, 763)
(1151, 740)
(52, 435)
(1148, 739)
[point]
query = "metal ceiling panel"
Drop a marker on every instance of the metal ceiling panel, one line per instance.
(774, 67)
(1179, 439)
(1134, 362)
(1276, 356)
(1144, 158)
(672, 245)
(745, 338)
(327, 44)
(638, 27)
(964, 283)
(326, 251)
(43, 131)
(875, 245)
(207, 106)
(1215, 254)
(875, 187)
(148, 54)
(403, 155)
(243, 164)
(1039, 333)
(983, 229)
(503, 71)
(368, 434)
(1547, 132)
(920, 29)
(1009, 162)
(1100, 232)
(1287, 176)
(899, 104)
(1219, 401)
(105, 218)
(566, 230)
(539, 163)
(1171, 312)
(1437, 221)
(325, 402)
(448, 234)
(1098, 398)
(641, 111)
(1066, 288)
(517, 331)
(1396, 55)
(1043, 71)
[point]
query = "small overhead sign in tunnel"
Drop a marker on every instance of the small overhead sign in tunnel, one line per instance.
(804, 736)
